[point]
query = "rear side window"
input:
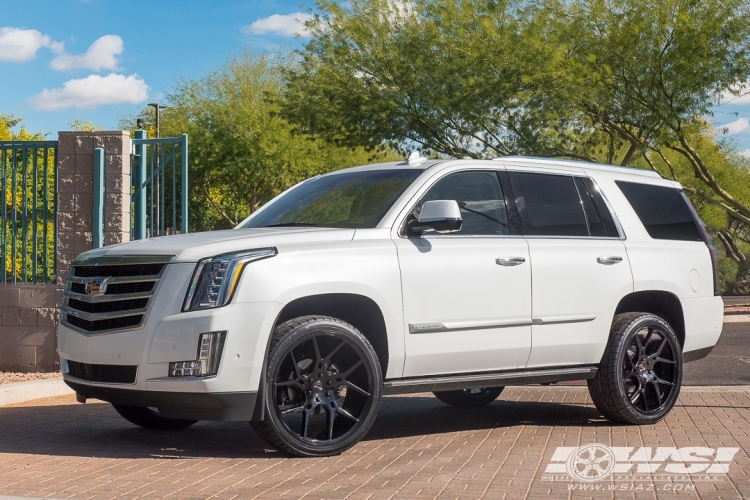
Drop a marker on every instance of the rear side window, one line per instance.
(548, 205)
(663, 211)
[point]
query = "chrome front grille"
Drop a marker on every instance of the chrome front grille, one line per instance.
(111, 294)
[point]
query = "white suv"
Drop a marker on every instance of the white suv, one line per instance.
(456, 277)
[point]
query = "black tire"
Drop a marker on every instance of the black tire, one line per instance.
(640, 375)
(470, 398)
(323, 387)
(150, 419)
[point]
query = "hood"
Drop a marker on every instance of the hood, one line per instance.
(192, 247)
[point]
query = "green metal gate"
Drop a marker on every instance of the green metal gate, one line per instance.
(160, 187)
(28, 237)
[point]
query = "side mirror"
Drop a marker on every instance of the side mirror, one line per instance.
(441, 216)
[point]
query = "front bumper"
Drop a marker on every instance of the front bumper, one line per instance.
(234, 406)
(170, 335)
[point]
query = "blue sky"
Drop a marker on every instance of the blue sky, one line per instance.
(96, 60)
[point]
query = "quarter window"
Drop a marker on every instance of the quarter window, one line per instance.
(663, 211)
(549, 205)
(480, 198)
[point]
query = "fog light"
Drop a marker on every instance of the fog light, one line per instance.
(210, 347)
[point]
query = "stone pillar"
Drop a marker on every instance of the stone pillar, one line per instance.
(76, 197)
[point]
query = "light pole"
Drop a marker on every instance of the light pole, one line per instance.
(158, 222)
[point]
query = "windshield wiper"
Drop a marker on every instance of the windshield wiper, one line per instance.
(293, 224)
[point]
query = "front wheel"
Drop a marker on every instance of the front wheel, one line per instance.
(151, 419)
(322, 389)
(470, 398)
(640, 375)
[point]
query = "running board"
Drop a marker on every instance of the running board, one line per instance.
(497, 379)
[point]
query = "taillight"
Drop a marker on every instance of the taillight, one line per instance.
(707, 240)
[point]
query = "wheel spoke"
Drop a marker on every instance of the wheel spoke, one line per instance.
(639, 345)
(296, 409)
(296, 366)
(655, 384)
(330, 354)
(662, 381)
(318, 357)
(644, 399)
(664, 360)
(661, 348)
(648, 337)
(358, 389)
(635, 394)
(345, 413)
(350, 370)
(330, 414)
(305, 422)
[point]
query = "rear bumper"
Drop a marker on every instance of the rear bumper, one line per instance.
(227, 406)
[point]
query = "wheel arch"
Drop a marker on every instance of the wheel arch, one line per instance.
(659, 302)
(358, 310)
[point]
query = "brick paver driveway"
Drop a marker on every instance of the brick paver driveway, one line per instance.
(419, 448)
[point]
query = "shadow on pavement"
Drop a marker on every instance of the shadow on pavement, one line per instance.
(95, 430)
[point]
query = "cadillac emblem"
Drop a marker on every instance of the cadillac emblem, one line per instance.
(96, 286)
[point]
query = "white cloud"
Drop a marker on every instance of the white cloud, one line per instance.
(278, 24)
(102, 54)
(92, 91)
(738, 95)
(19, 45)
(736, 127)
(745, 153)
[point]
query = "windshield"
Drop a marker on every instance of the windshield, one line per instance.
(356, 200)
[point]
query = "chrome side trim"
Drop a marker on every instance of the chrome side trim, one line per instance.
(496, 379)
(556, 320)
(452, 326)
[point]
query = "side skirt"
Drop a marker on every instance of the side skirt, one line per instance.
(495, 379)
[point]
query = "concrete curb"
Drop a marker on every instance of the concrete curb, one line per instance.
(22, 392)
(684, 388)
(737, 318)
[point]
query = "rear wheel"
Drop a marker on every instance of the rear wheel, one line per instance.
(151, 419)
(475, 397)
(322, 389)
(640, 375)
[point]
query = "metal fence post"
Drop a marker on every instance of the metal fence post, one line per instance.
(97, 219)
(184, 142)
(139, 179)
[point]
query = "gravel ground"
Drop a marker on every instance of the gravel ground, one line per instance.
(737, 309)
(13, 377)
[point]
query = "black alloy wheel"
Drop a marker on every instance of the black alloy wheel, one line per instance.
(470, 398)
(323, 387)
(641, 373)
(149, 418)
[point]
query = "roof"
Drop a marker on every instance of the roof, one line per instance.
(513, 160)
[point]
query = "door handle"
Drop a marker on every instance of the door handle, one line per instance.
(510, 261)
(608, 261)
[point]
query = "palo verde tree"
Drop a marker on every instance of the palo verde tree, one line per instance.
(629, 82)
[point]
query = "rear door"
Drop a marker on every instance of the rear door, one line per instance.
(579, 266)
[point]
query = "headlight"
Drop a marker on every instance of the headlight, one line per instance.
(216, 278)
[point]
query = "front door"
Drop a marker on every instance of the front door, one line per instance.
(467, 295)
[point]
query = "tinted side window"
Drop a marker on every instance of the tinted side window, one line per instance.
(548, 204)
(598, 216)
(480, 198)
(662, 210)
(607, 220)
